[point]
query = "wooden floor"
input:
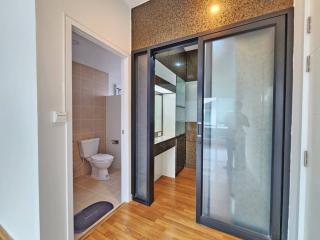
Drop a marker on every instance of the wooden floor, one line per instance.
(171, 216)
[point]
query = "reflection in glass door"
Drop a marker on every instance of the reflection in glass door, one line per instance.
(241, 131)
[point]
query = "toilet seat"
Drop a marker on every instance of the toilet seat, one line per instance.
(101, 158)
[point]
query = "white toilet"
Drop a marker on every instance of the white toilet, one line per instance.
(99, 162)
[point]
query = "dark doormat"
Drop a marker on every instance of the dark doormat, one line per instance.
(90, 215)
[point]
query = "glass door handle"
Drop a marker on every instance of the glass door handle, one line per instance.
(199, 124)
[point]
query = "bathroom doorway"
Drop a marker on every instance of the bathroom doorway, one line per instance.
(96, 132)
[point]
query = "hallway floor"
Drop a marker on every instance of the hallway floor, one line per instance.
(171, 216)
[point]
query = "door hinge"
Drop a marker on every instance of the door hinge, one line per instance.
(308, 64)
(305, 158)
(309, 24)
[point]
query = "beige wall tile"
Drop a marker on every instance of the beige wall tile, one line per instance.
(76, 97)
(86, 126)
(76, 112)
(100, 101)
(87, 97)
(99, 125)
(99, 113)
(76, 125)
(89, 111)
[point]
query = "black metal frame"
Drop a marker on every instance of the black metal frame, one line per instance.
(281, 129)
(283, 188)
(287, 123)
(150, 128)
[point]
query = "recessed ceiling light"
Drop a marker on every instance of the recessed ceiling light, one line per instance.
(215, 8)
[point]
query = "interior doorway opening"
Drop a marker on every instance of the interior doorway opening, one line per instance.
(175, 110)
(96, 106)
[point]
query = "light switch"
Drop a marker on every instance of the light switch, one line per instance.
(59, 117)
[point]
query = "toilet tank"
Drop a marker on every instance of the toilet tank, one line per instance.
(89, 147)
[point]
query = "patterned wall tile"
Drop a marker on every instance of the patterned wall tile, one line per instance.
(159, 21)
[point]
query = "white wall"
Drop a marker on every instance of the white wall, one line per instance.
(114, 129)
(295, 164)
(19, 192)
(169, 116)
(165, 73)
(165, 164)
(90, 54)
(110, 20)
(309, 215)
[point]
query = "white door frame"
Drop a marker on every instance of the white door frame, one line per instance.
(305, 127)
(72, 25)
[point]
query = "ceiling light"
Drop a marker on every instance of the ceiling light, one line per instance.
(178, 64)
(215, 8)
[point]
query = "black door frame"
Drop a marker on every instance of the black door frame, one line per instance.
(288, 15)
(150, 126)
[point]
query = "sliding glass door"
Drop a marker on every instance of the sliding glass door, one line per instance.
(241, 97)
(142, 127)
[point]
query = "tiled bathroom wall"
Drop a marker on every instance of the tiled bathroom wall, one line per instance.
(89, 90)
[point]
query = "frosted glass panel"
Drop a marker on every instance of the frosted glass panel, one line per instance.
(181, 107)
(141, 141)
(237, 135)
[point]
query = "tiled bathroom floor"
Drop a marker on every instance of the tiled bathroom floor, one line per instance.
(87, 191)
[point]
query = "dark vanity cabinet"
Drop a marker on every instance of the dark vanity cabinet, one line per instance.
(161, 147)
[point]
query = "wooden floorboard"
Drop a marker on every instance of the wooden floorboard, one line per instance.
(171, 216)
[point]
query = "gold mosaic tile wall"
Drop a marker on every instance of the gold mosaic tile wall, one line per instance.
(191, 143)
(159, 21)
(89, 90)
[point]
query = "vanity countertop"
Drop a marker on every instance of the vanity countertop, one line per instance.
(164, 145)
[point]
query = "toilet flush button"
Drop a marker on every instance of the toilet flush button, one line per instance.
(58, 117)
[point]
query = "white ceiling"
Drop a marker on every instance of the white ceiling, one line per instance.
(134, 3)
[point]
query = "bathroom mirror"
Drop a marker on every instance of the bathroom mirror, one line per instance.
(164, 103)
